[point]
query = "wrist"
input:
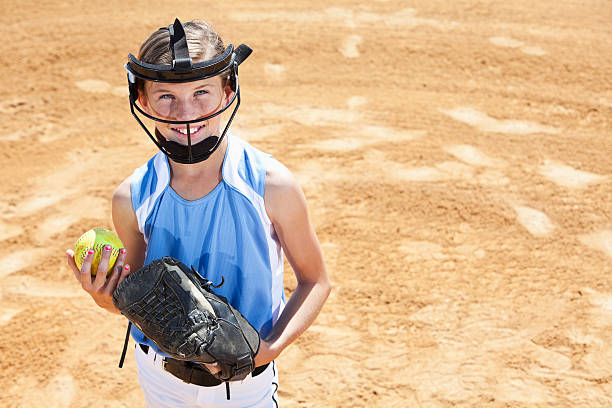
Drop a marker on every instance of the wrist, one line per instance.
(267, 352)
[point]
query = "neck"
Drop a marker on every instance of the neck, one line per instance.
(208, 169)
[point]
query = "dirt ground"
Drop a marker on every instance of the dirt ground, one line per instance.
(456, 157)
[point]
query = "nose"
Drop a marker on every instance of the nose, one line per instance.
(186, 110)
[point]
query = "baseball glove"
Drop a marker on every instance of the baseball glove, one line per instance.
(176, 308)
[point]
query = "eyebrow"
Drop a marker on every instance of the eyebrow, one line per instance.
(195, 89)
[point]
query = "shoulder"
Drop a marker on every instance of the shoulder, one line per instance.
(122, 197)
(283, 194)
(278, 176)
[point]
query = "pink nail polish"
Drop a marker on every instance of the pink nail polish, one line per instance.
(107, 248)
(90, 252)
(122, 251)
(126, 267)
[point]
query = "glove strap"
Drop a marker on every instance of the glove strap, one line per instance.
(125, 344)
(243, 367)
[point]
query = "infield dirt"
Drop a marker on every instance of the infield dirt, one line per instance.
(456, 157)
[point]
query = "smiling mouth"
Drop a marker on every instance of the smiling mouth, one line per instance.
(193, 130)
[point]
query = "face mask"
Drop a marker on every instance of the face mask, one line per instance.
(184, 70)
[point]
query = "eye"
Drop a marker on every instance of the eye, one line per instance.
(201, 92)
(166, 96)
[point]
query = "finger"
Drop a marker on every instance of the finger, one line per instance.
(85, 274)
(100, 279)
(112, 282)
(72, 264)
(124, 273)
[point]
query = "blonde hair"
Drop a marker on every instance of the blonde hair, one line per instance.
(202, 40)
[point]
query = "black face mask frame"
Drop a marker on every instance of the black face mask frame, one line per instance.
(184, 70)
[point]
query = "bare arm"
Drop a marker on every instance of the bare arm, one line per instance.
(286, 207)
(101, 287)
(126, 226)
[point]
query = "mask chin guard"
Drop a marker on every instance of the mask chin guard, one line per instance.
(183, 69)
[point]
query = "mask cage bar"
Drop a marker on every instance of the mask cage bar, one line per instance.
(163, 149)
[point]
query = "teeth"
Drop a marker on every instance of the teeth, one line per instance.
(184, 131)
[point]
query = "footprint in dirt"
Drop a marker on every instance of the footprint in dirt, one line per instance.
(349, 45)
(597, 363)
(508, 42)
(366, 135)
(599, 240)
(473, 156)
(536, 222)
(34, 287)
(18, 260)
(59, 392)
(311, 115)
(274, 71)
(356, 102)
(7, 314)
(486, 123)
(101, 87)
(9, 230)
(567, 176)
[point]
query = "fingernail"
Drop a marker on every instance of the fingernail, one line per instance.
(107, 248)
(122, 251)
(90, 252)
(126, 267)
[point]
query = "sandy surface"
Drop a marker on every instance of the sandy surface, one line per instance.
(456, 156)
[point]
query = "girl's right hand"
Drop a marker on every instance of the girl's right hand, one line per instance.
(99, 287)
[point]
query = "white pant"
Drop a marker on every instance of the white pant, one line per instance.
(163, 390)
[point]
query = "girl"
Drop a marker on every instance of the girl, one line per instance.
(213, 201)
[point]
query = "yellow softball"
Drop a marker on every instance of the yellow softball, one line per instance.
(96, 239)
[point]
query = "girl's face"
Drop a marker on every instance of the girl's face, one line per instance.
(186, 101)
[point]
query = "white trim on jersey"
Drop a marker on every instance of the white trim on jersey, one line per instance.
(231, 175)
(162, 171)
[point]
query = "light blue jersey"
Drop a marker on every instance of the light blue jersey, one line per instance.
(226, 234)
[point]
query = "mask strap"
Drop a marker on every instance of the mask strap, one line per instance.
(181, 62)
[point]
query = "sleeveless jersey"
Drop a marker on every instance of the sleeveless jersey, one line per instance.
(225, 234)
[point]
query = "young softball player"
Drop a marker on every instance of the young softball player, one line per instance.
(213, 201)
